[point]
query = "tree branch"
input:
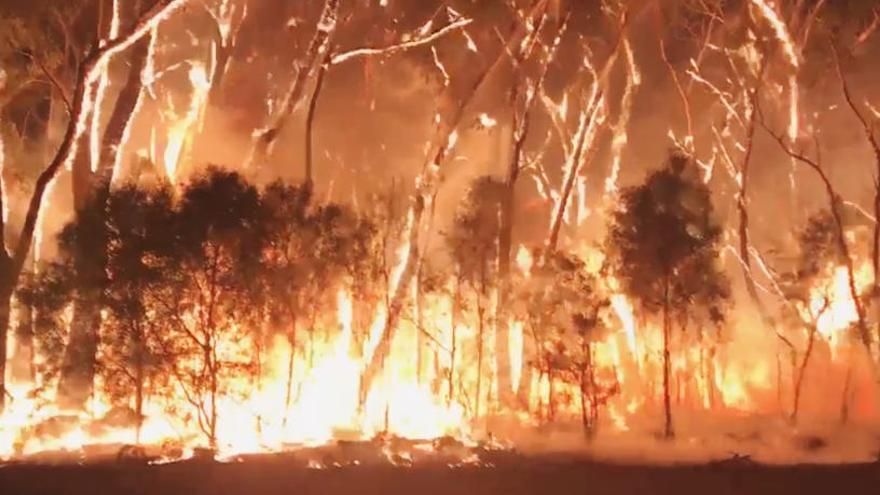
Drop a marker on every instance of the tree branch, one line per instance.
(89, 71)
(871, 29)
(834, 202)
(399, 47)
(875, 147)
(51, 77)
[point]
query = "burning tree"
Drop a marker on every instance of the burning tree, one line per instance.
(211, 297)
(310, 248)
(811, 285)
(93, 169)
(565, 309)
(132, 362)
(664, 246)
(91, 67)
(259, 312)
(132, 358)
(473, 242)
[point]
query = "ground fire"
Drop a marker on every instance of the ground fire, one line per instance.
(439, 231)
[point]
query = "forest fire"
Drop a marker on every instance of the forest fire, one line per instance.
(439, 233)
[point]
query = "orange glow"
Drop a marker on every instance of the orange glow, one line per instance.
(181, 128)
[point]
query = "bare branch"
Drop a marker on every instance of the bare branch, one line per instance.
(426, 184)
(51, 77)
(834, 205)
(318, 47)
(875, 147)
(92, 66)
(341, 57)
(682, 94)
(870, 29)
(811, 21)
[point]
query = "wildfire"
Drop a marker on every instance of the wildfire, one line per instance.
(182, 128)
(397, 353)
(832, 304)
(324, 403)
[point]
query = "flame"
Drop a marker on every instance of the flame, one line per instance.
(832, 306)
(516, 353)
(406, 400)
(325, 403)
(181, 128)
(739, 384)
(768, 12)
(624, 310)
(524, 260)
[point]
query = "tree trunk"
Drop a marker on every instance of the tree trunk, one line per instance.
(310, 120)
(844, 400)
(710, 377)
(743, 228)
(420, 325)
(426, 185)
(588, 392)
(521, 123)
(23, 364)
(480, 333)
(452, 349)
(318, 48)
(78, 369)
(81, 170)
(291, 361)
(584, 145)
(5, 304)
(524, 391)
(126, 105)
(667, 406)
(139, 388)
(585, 416)
(505, 240)
(802, 371)
(79, 365)
(12, 264)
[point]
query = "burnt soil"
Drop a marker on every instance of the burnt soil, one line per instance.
(509, 476)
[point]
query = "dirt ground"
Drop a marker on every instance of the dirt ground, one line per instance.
(544, 475)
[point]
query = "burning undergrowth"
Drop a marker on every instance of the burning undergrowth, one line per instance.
(239, 320)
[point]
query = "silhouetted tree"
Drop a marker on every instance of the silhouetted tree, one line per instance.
(139, 255)
(564, 305)
(211, 296)
(310, 250)
(136, 258)
(664, 247)
(805, 286)
(473, 242)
